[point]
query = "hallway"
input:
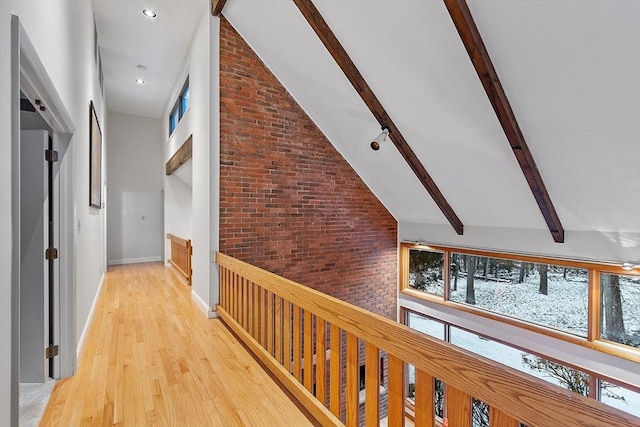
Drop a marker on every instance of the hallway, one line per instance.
(152, 358)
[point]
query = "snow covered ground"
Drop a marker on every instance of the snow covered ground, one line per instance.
(564, 308)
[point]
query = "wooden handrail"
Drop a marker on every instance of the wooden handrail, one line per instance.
(181, 252)
(512, 395)
(180, 241)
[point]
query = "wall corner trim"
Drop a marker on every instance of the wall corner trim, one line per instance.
(210, 312)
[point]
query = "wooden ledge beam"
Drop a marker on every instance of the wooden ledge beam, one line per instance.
(468, 31)
(216, 7)
(340, 55)
(183, 154)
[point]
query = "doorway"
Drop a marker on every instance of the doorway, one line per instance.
(39, 228)
(47, 230)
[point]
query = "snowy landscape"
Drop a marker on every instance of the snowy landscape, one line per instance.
(564, 307)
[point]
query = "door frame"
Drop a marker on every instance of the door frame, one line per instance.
(30, 76)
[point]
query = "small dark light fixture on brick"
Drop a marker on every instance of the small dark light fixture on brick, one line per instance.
(375, 144)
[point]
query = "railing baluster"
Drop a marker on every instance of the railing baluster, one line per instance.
(425, 391)
(372, 385)
(353, 383)
(223, 290)
(270, 318)
(321, 360)
(231, 292)
(278, 329)
(256, 311)
(245, 303)
(240, 283)
(249, 307)
(395, 400)
(308, 350)
(234, 282)
(335, 349)
(296, 342)
(287, 335)
(458, 407)
(498, 418)
(263, 318)
(224, 285)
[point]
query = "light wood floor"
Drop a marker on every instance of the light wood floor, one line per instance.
(152, 358)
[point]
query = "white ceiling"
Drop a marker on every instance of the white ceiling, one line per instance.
(570, 69)
(128, 39)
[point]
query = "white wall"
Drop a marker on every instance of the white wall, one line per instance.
(178, 205)
(134, 217)
(62, 34)
(201, 122)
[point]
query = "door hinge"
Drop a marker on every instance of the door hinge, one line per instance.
(51, 253)
(51, 155)
(51, 351)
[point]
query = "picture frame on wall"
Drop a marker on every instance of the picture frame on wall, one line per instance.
(95, 159)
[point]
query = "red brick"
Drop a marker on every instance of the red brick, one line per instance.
(289, 202)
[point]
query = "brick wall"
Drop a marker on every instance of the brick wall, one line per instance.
(289, 202)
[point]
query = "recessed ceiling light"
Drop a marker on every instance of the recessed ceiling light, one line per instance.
(149, 13)
(140, 81)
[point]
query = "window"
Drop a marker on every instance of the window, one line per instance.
(548, 295)
(426, 271)
(619, 397)
(437, 330)
(583, 303)
(180, 107)
(184, 99)
(620, 299)
(173, 120)
(556, 373)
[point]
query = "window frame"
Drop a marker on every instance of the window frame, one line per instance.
(595, 379)
(177, 107)
(594, 309)
(174, 111)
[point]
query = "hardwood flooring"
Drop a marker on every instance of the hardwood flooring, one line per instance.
(152, 358)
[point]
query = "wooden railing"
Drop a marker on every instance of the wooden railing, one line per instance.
(181, 252)
(291, 328)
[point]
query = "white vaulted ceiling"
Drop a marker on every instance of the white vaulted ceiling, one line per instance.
(128, 39)
(571, 71)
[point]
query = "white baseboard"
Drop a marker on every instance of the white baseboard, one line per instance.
(203, 306)
(134, 260)
(87, 324)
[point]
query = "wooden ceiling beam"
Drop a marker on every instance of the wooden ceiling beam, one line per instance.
(339, 54)
(184, 153)
(468, 31)
(216, 7)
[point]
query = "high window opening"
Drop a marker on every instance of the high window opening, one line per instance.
(180, 107)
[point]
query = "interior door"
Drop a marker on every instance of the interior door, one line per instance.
(35, 269)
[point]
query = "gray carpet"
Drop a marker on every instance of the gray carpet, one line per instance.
(33, 400)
